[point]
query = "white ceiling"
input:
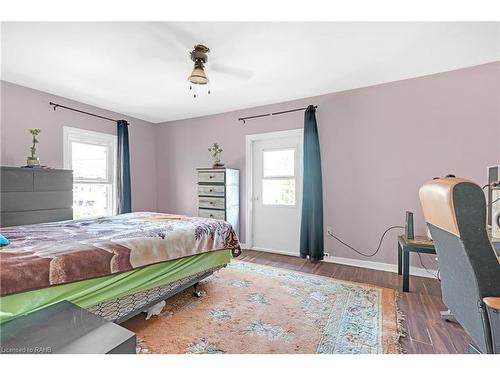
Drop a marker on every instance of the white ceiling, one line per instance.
(141, 69)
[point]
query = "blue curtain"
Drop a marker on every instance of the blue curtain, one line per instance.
(123, 169)
(311, 227)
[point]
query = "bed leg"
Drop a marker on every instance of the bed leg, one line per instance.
(198, 293)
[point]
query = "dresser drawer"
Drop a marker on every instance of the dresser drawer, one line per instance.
(211, 190)
(211, 176)
(19, 179)
(53, 180)
(209, 202)
(212, 214)
(35, 200)
(11, 219)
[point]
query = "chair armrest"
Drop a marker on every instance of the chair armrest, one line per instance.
(492, 302)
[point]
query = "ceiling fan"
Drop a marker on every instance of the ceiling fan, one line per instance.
(177, 37)
(199, 55)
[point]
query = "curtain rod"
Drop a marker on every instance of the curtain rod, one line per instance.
(273, 113)
(55, 105)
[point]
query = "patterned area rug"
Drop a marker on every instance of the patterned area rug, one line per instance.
(251, 308)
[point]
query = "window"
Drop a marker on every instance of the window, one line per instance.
(278, 182)
(92, 157)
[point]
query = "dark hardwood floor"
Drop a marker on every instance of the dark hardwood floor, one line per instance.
(425, 331)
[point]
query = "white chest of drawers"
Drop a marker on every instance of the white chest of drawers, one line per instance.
(219, 195)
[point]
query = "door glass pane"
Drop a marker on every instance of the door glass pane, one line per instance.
(278, 192)
(89, 161)
(91, 200)
(279, 163)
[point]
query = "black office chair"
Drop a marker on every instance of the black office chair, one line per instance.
(455, 212)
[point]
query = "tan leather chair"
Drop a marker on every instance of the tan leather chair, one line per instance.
(455, 212)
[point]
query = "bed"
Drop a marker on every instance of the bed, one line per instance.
(114, 266)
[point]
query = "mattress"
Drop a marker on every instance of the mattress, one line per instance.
(91, 292)
(50, 254)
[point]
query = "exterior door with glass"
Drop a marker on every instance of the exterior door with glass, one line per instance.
(277, 192)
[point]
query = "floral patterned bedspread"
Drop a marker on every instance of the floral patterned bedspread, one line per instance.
(43, 255)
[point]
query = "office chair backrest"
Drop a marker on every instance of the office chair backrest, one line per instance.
(455, 212)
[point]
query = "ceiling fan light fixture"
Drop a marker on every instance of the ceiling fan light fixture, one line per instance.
(198, 76)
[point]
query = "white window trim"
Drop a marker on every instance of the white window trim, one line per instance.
(95, 138)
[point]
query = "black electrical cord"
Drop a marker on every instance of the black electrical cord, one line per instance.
(360, 252)
(495, 184)
(426, 269)
(492, 185)
(378, 248)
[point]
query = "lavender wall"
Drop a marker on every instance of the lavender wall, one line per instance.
(24, 108)
(379, 145)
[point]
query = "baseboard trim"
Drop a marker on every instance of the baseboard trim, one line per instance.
(273, 251)
(379, 266)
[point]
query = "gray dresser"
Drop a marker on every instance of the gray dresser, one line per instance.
(219, 195)
(31, 196)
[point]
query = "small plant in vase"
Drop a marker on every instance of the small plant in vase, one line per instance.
(215, 151)
(33, 160)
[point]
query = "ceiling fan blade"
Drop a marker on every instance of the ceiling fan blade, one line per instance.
(172, 39)
(183, 39)
(231, 70)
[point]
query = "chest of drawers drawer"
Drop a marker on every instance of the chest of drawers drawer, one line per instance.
(211, 202)
(211, 190)
(211, 177)
(35, 195)
(212, 214)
